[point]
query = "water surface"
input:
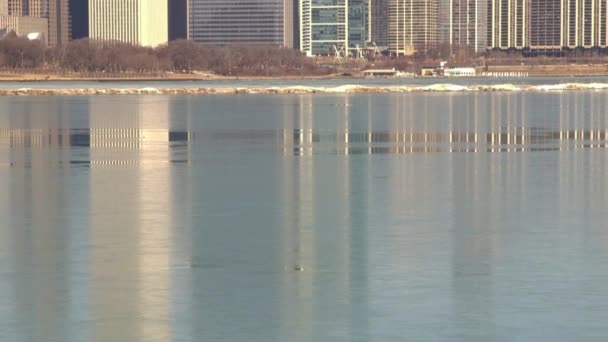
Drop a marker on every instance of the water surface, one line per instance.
(423, 217)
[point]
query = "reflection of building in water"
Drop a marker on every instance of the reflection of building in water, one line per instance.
(462, 123)
(325, 222)
(37, 228)
(132, 222)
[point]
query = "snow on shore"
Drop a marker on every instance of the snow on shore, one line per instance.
(441, 87)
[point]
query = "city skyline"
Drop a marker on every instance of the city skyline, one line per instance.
(324, 27)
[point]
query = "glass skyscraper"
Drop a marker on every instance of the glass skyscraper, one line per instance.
(330, 25)
(242, 22)
(379, 22)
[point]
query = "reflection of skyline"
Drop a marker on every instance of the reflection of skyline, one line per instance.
(300, 228)
(139, 263)
(471, 123)
(310, 222)
(51, 218)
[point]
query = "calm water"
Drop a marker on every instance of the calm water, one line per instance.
(380, 217)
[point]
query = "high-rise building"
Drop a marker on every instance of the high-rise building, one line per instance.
(59, 22)
(508, 24)
(379, 22)
(413, 26)
(330, 26)
(3, 7)
(545, 25)
(79, 14)
(178, 19)
(25, 25)
(584, 23)
(467, 24)
(138, 22)
(242, 22)
(56, 11)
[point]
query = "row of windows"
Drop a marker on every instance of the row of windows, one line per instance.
(233, 21)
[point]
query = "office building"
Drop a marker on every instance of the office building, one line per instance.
(3, 7)
(59, 22)
(379, 22)
(269, 22)
(25, 25)
(467, 24)
(413, 26)
(327, 28)
(508, 24)
(56, 11)
(138, 22)
(79, 14)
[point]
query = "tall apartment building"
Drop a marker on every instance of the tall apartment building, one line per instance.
(545, 25)
(467, 24)
(138, 22)
(242, 22)
(56, 11)
(379, 22)
(413, 26)
(330, 25)
(584, 23)
(508, 24)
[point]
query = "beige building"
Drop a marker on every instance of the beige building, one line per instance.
(59, 22)
(584, 23)
(509, 24)
(24, 25)
(139, 22)
(413, 26)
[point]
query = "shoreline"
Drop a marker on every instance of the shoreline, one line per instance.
(548, 71)
(298, 90)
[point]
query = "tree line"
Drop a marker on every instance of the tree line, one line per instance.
(183, 56)
(85, 56)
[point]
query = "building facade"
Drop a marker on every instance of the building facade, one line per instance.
(379, 32)
(545, 23)
(138, 22)
(413, 26)
(548, 25)
(330, 27)
(59, 22)
(508, 24)
(25, 25)
(56, 11)
(584, 23)
(467, 24)
(224, 22)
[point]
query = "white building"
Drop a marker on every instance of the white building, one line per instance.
(330, 26)
(138, 22)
